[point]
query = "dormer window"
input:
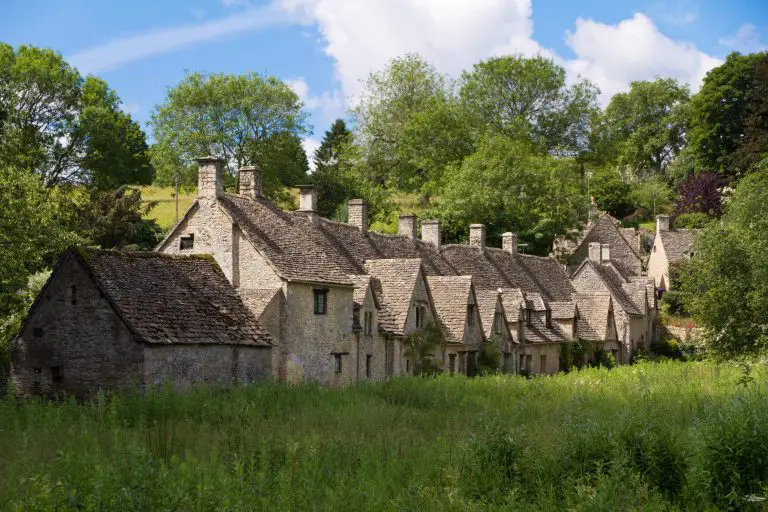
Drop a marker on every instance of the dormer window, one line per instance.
(187, 242)
(471, 315)
(498, 319)
(549, 319)
(528, 317)
(421, 315)
(368, 323)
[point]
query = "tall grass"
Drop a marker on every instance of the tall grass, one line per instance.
(646, 437)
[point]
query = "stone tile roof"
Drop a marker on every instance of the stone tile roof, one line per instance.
(486, 307)
(257, 299)
(538, 332)
(349, 248)
(534, 302)
(593, 316)
(450, 295)
(173, 299)
(283, 239)
(615, 284)
(678, 242)
(394, 286)
(512, 299)
(562, 309)
(361, 283)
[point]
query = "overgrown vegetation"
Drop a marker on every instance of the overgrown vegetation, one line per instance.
(651, 436)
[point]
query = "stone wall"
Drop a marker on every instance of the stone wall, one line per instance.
(371, 345)
(74, 342)
(250, 268)
(658, 266)
(186, 365)
(552, 353)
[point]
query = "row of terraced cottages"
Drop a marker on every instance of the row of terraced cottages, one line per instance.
(241, 290)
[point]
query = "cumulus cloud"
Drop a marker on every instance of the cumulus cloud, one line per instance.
(612, 56)
(330, 104)
(745, 40)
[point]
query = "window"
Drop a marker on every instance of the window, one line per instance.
(549, 319)
(522, 362)
(73, 295)
(471, 315)
(56, 373)
(337, 363)
(498, 322)
(528, 317)
(654, 248)
(421, 315)
(321, 302)
(543, 364)
(407, 366)
(37, 370)
(368, 320)
(452, 363)
(356, 317)
(368, 365)
(187, 242)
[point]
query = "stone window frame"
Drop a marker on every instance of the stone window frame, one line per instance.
(498, 318)
(187, 242)
(368, 323)
(470, 315)
(320, 306)
(368, 365)
(548, 318)
(338, 363)
(421, 315)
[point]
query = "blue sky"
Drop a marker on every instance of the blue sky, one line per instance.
(324, 48)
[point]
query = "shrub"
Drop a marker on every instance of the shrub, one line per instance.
(489, 358)
(692, 220)
(604, 359)
(666, 347)
(674, 302)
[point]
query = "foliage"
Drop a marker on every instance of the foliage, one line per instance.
(420, 349)
(666, 347)
(528, 99)
(701, 193)
(726, 290)
(64, 127)
(719, 110)
(334, 187)
(692, 220)
(283, 163)
(242, 118)
(647, 124)
(652, 196)
(755, 145)
(660, 436)
(611, 191)
(9, 325)
(489, 357)
(603, 359)
(508, 188)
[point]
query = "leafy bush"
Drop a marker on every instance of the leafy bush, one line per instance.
(489, 358)
(603, 359)
(666, 347)
(420, 348)
(692, 220)
(674, 302)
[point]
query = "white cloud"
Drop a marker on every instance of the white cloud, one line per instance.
(612, 56)
(330, 105)
(310, 144)
(675, 12)
(452, 34)
(745, 40)
(130, 108)
(116, 53)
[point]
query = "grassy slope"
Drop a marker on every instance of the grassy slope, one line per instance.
(652, 437)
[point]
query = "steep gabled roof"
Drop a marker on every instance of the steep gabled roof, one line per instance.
(394, 286)
(538, 332)
(594, 316)
(614, 282)
(257, 299)
(512, 299)
(167, 299)
(362, 284)
(486, 307)
(283, 239)
(450, 295)
(678, 242)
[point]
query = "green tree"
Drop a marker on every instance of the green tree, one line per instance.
(283, 162)
(652, 196)
(610, 190)
(237, 117)
(719, 110)
(646, 125)
(755, 145)
(528, 98)
(333, 186)
(64, 127)
(726, 285)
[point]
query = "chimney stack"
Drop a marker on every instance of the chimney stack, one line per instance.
(210, 177)
(308, 201)
(477, 235)
(662, 223)
(595, 252)
(250, 181)
(605, 254)
(406, 225)
(430, 232)
(509, 242)
(357, 214)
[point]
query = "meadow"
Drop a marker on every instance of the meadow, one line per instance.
(654, 436)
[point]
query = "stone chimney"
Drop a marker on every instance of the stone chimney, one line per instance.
(210, 177)
(605, 252)
(477, 235)
(406, 225)
(662, 223)
(308, 201)
(593, 211)
(509, 242)
(430, 232)
(357, 213)
(249, 178)
(595, 252)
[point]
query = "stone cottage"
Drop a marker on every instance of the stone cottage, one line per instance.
(669, 246)
(111, 320)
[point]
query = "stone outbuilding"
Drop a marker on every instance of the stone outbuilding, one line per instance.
(115, 320)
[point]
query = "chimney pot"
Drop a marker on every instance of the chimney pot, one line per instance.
(595, 252)
(357, 213)
(662, 223)
(509, 242)
(210, 177)
(430, 232)
(477, 235)
(249, 181)
(308, 201)
(406, 225)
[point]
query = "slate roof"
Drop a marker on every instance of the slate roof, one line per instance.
(283, 239)
(257, 299)
(512, 299)
(562, 309)
(450, 295)
(362, 283)
(593, 316)
(394, 287)
(486, 307)
(615, 284)
(678, 242)
(538, 332)
(167, 299)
